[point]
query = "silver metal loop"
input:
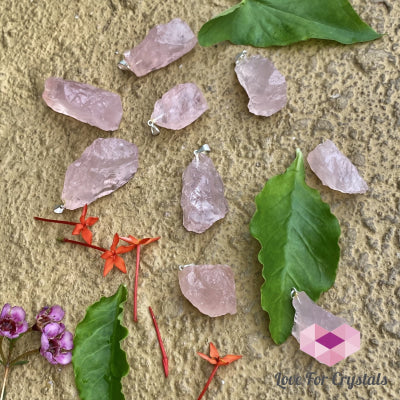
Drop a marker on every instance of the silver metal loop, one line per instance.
(123, 65)
(182, 267)
(154, 130)
(203, 149)
(293, 292)
(59, 209)
(241, 56)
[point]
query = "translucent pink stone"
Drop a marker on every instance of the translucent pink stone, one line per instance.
(84, 102)
(104, 166)
(264, 84)
(179, 107)
(210, 288)
(335, 170)
(162, 45)
(203, 201)
(322, 335)
(308, 313)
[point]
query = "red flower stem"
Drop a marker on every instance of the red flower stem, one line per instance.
(164, 353)
(209, 381)
(83, 244)
(55, 221)
(136, 283)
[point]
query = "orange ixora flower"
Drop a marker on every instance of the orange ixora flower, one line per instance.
(137, 243)
(112, 258)
(82, 227)
(217, 361)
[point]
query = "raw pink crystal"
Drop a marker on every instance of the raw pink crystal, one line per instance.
(179, 107)
(84, 102)
(210, 288)
(322, 335)
(335, 170)
(264, 84)
(203, 201)
(103, 167)
(162, 45)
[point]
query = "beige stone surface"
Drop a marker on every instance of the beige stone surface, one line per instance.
(349, 94)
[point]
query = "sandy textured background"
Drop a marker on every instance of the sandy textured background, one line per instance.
(348, 94)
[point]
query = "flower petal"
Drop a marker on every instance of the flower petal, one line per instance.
(17, 314)
(83, 215)
(125, 249)
(66, 341)
(228, 359)
(63, 358)
(115, 242)
(120, 264)
(91, 221)
(106, 255)
(108, 266)
(213, 351)
(149, 240)
(6, 309)
(56, 313)
(77, 230)
(87, 235)
(209, 359)
(131, 239)
(53, 329)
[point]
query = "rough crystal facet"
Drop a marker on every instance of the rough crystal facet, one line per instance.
(104, 166)
(84, 102)
(179, 107)
(162, 45)
(264, 84)
(210, 288)
(322, 335)
(335, 170)
(203, 201)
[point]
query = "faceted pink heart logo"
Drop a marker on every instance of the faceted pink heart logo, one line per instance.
(329, 347)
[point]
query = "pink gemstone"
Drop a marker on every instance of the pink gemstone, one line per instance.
(264, 84)
(203, 201)
(335, 170)
(104, 166)
(162, 45)
(322, 335)
(179, 107)
(210, 288)
(84, 102)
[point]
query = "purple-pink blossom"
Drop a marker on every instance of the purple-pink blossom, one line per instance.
(48, 315)
(56, 343)
(12, 321)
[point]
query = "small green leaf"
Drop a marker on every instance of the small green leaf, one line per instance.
(98, 360)
(299, 245)
(22, 362)
(263, 23)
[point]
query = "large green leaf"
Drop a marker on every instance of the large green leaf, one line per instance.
(299, 245)
(99, 362)
(264, 23)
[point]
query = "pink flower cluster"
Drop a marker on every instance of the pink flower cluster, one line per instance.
(56, 341)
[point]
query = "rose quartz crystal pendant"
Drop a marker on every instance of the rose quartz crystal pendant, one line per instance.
(162, 45)
(103, 167)
(178, 108)
(202, 201)
(335, 170)
(84, 102)
(210, 288)
(322, 335)
(264, 84)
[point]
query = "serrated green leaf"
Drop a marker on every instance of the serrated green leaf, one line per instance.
(299, 245)
(263, 23)
(98, 360)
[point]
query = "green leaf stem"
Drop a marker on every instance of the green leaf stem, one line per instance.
(98, 360)
(263, 23)
(299, 245)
